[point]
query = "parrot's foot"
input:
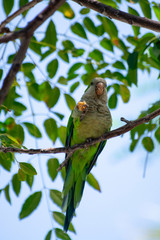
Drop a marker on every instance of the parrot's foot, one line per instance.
(89, 140)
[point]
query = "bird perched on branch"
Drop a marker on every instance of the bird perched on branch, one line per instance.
(90, 119)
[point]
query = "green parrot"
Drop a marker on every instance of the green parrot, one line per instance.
(90, 119)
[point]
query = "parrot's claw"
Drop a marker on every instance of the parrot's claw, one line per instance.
(89, 140)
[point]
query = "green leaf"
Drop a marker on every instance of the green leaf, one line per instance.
(79, 30)
(62, 134)
(77, 52)
(67, 11)
(21, 175)
(145, 6)
(1, 73)
(110, 3)
(18, 133)
(142, 42)
(7, 195)
(50, 36)
(59, 218)
(52, 165)
(75, 67)
(70, 101)
(119, 65)
(107, 44)
(112, 102)
(34, 90)
(84, 11)
(136, 29)
(132, 60)
(133, 144)
(7, 6)
(89, 67)
(10, 58)
(33, 129)
(154, 63)
(156, 10)
(35, 45)
(52, 68)
(63, 55)
(51, 97)
(62, 80)
(22, 2)
(27, 67)
(96, 55)
(45, 91)
(48, 236)
(61, 234)
(132, 64)
(48, 52)
(68, 45)
(61, 116)
(30, 204)
(110, 28)
(155, 51)
(87, 78)
(125, 93)
(18, 108)
(16, 184)
(8, 141)
(29, 180)
(88, 23)
(74, 86)
(51, 129)
(27, 168)
(56, 197)
(6, 160)
(72, 76)
(148, 144)
(93, 182)
(100, 30)
(157, 134)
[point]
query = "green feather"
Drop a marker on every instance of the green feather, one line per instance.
(96, 121)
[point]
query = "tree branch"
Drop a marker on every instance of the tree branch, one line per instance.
(35, 23)
(120, 15)
(26, 36)
(7, 83)
(18, 12)
(114, 133)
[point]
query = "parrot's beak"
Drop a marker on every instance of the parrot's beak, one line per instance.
(99, 88)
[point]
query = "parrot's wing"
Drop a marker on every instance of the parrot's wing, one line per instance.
(99, 150)
(69, 134)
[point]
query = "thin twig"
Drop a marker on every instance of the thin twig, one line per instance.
(35, 23)
(120, 15)
(64, 163)
(17, 13)
(114, 133)
(145, 165)
(26, 36)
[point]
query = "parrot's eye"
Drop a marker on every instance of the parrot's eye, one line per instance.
(91, 83)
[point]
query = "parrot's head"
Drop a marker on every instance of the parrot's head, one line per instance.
(98, 89)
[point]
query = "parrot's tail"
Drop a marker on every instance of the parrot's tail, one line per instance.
(71, 201)
(70, 210)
